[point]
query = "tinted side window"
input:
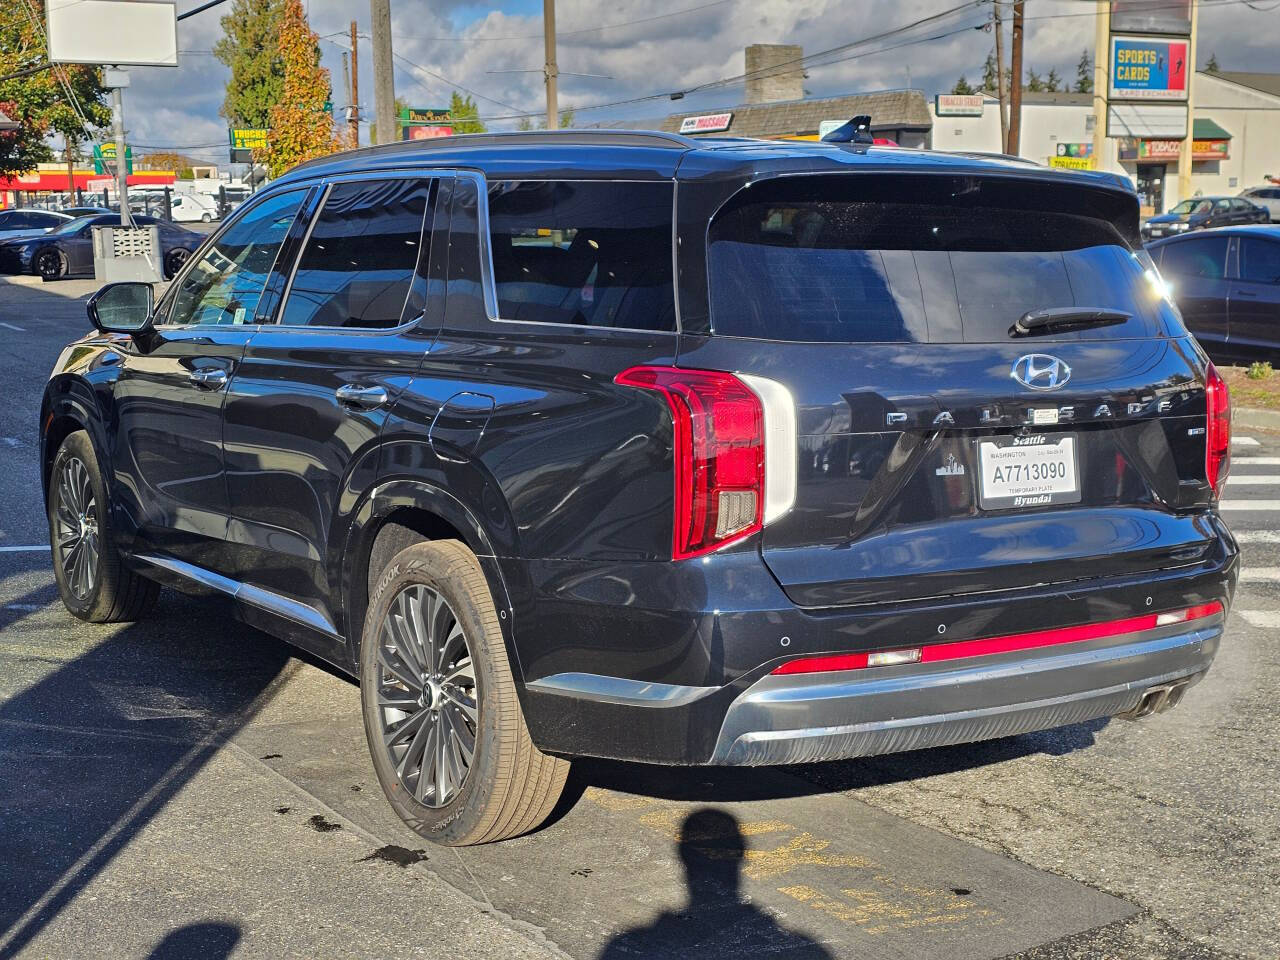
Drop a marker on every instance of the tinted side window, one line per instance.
(45, 221)
(588, 253)
(1259, 260)
(361, 256)
(16, 221)
(227, 282)
(1203, 257)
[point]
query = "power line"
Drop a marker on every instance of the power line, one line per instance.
(569, 33)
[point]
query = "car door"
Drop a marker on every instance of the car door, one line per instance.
(308, 401)
(1195, 267)
(1255, 297)
(172, 385)
(77, 247)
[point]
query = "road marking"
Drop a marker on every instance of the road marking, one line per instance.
(1254, 480)
(1256, 461)
(1260, 575)
(25, 607)
(1257, 536)
(1245, 442)
(1267, 619)
(12, 327)
(1243, 504)
(25, 549)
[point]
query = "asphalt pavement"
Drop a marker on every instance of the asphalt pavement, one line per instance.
(190, 787)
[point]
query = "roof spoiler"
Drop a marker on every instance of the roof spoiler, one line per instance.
(857, 130)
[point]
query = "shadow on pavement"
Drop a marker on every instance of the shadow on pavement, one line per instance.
(207, 941)
(95, 749)
(712, 849)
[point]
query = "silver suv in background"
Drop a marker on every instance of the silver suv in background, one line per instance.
(1265, 196)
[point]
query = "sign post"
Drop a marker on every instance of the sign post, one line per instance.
(117, 80)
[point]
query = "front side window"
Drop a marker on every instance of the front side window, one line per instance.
(588, 253)
(227, 283)
(1199, 257)
(1259, 260)
(361, 258)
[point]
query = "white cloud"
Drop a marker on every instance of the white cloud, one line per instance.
(180, 106)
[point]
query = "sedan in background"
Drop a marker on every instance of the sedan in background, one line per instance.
(1203, 213)
(1227, 284)
(84, 211)
(28, 222)
(68, 251)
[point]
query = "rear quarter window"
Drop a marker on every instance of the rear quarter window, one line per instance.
(825, 261)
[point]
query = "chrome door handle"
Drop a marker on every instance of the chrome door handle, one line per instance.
(361, 398)
(209, 378)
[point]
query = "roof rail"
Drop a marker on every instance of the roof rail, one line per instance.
(618, 138)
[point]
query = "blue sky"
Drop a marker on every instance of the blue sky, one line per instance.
(678, 44)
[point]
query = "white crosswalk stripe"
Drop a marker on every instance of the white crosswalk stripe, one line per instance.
(1262, 506)
(1257, 536)
(1254, 480)
(1245, 442)
(1255, 461)
(1267, 619)
(1260, 575)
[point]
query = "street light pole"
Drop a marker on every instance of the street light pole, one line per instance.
(117, 80)
(1101, 58)
(384, 88)
(1001, 90)
(550, 71)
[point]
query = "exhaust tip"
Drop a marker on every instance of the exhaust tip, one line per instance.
(1158, 699)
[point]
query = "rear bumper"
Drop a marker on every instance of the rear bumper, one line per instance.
(858, 713)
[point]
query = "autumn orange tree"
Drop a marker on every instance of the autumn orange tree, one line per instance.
(299, 127)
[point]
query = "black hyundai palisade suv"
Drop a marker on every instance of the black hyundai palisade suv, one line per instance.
(629, 445)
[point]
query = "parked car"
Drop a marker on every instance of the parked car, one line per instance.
(836, 450)
(1267, 196)
(68, 251)
(194, 207)
(26, 222)
(1203, 213)
(84, 211)
(1227, 284)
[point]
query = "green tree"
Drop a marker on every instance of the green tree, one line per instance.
(1212, 65)
(566, 121)
(39, 102)
(1084, 73)
(250, 46)
(465, 114)
(990, 80)
(1053, 83)
(373, 124)
(963, 87)
(1034, 82)
(299, 128)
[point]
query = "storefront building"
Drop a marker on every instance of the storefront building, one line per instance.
(1235, 132)
(50, 179)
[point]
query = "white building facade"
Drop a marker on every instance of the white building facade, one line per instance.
(1236, 132)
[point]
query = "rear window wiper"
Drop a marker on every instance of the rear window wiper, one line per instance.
(1049, 319)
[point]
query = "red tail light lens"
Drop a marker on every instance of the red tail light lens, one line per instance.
(718, 441)
(1217, 438)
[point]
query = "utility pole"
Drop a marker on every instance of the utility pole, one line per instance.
(353, 118)
(1015, 93)
(1001, 90)
(117, 80)
(1188, 143)
(384, 88)
(71, 171)
(549, 70)
(1101, 58)
(346, 91)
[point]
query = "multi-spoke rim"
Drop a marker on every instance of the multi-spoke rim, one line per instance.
(427, 696)
(49, 263)
(76, 527)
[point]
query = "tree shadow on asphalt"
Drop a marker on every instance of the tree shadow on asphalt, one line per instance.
(95, 749)
(207, 941)
(716, 915)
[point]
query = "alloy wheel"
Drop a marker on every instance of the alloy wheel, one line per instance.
(427, 695)
(49, 264)
(76, 517)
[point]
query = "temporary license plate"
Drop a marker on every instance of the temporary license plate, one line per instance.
(1030, 471)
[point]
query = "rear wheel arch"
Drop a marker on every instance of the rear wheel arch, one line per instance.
(397, 515)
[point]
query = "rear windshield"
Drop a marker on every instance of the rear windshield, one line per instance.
(834, 259)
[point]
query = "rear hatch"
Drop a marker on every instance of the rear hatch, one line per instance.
(991, 389)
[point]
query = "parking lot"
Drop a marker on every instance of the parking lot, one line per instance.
(189, 786)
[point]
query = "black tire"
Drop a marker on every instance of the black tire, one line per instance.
(205, 218)
(509, 787)
(104, 590)
(174, 260)
(49, 264)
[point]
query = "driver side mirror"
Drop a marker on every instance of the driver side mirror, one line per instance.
(122, 307)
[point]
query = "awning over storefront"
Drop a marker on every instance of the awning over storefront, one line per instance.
(55, 181)
(1209, 142)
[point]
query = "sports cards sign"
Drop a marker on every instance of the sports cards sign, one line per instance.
(1148, 68)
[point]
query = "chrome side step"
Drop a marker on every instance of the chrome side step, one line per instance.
(293, 610)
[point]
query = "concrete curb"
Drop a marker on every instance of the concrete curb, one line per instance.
(1255, 418)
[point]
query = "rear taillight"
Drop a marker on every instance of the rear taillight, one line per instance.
(1217, 438)
(719, 451)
